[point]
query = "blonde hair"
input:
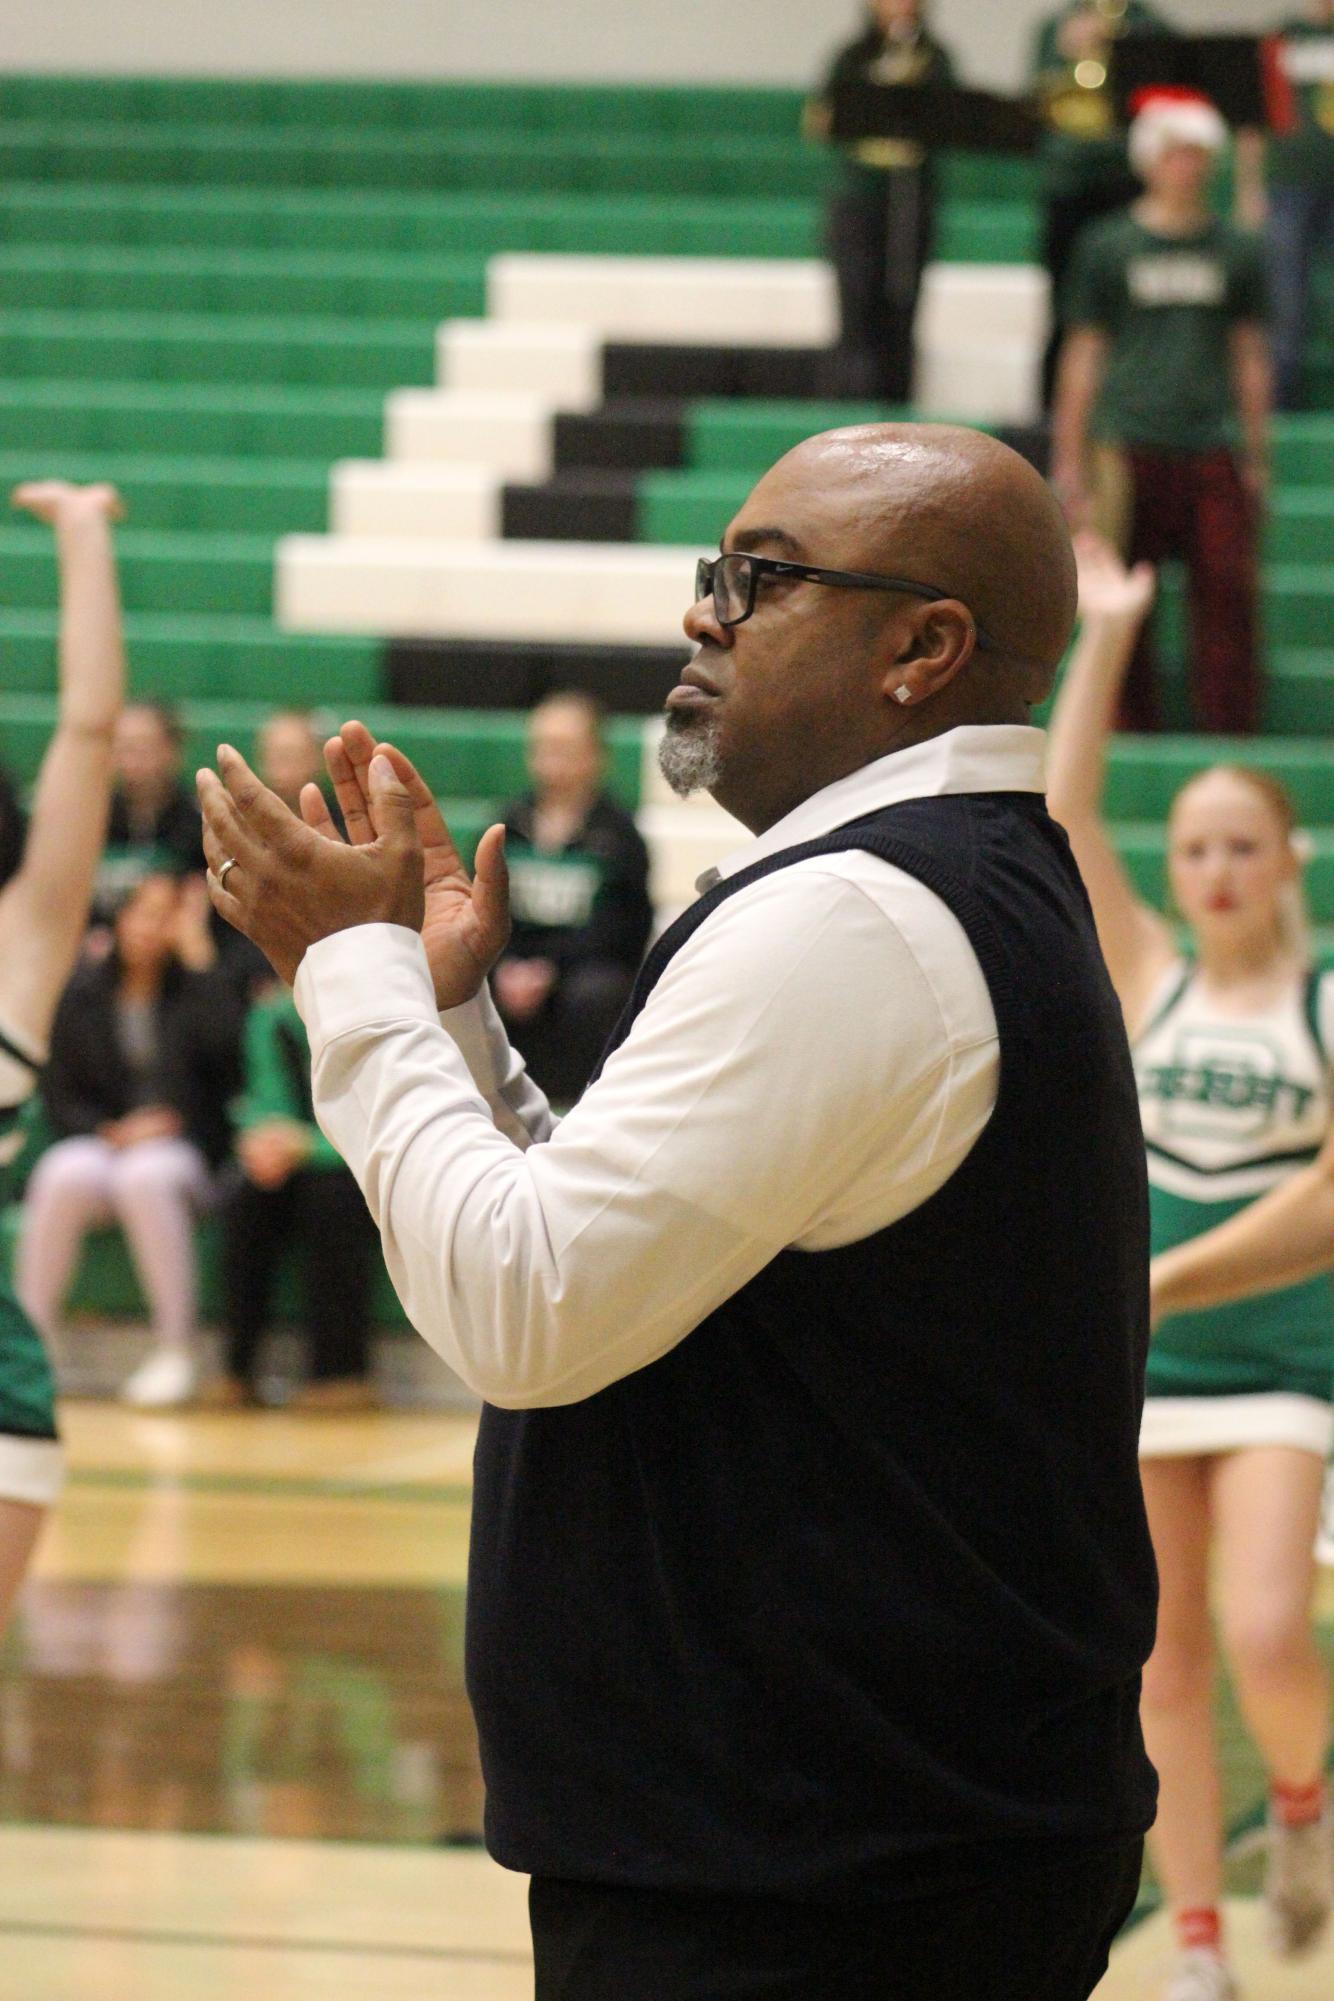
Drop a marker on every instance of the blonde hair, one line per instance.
(1294, 919)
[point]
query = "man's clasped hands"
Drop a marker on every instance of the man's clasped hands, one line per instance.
(296, 881)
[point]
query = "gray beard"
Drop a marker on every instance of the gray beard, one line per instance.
(688, 757)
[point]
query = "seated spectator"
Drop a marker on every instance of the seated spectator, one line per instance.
(144, 1060)
(154, 827)
(1301, 184)
(579, 897)
(289, 1187)
(1165, 369)
(290, 755)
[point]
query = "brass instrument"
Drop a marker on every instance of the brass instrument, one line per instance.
(906, 62)
(1076, 98)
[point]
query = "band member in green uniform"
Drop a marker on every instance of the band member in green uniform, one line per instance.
(882, 215)
(1232, 1036)
(1084, 172)
(43, 915)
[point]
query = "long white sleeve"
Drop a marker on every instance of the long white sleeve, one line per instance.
(815, 1061)
(517, 1107)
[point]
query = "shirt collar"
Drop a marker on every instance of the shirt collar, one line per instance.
(977, 757)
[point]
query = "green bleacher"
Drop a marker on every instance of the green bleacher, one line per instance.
(207, 288)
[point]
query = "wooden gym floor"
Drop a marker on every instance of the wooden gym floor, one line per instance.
(235, 1754)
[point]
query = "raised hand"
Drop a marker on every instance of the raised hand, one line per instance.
(1108, 591)
(57, 500)
(466, 920)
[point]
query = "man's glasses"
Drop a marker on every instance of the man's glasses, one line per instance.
(733, 580)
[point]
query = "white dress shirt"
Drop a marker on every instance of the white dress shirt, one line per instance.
(815, 1061)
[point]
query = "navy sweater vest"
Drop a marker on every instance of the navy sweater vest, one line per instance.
(851, 1589)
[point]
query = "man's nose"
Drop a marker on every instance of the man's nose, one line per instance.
(702, 626)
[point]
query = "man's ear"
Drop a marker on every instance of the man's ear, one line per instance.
(927, 650)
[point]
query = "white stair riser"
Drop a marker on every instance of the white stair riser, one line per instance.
(759, 302)
(563, 364)
(979, 303)
(509, 435)
(996, 384)
(406, 501)
(508, 590)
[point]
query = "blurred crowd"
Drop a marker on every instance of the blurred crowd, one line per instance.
(178, 1083)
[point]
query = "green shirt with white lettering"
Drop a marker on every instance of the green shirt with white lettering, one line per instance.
(1167, 305)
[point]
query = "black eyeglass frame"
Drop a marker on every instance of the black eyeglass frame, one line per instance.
(848, 580)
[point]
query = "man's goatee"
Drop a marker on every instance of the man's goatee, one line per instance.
(688, 756)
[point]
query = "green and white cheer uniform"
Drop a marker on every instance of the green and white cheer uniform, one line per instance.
(1231, 1107)
(30, 1457)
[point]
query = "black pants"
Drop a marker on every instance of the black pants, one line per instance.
(1033, 1934)
(1065, 218)
(323, 1213)
(879, 240)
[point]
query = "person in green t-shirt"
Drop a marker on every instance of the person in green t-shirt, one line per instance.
(293, 1189)
(1162, 401)
(1083, 169)
(881, 219)
(1300, 222)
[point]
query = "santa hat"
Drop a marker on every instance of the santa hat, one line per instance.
(1166, 117)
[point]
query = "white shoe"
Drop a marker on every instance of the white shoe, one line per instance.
(1200, 1975)
(1299, 1885)
(164, 1379)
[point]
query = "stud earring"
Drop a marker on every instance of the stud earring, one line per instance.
(903, 693)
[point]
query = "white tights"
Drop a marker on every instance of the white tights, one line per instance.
(153, 1190)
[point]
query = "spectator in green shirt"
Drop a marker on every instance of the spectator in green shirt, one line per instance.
(1300, 223)
(1083, 169)
(881, 218)
(292, 1189)
(1164, 372)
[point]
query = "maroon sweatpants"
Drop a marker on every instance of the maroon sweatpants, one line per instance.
(1194, 507)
